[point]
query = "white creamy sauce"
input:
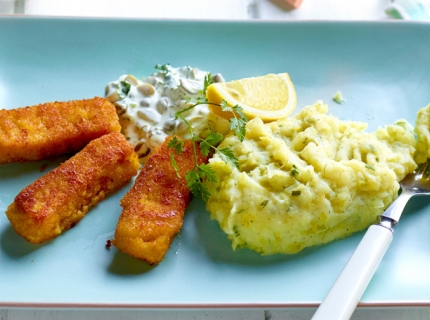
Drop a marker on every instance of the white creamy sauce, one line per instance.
(147, 107)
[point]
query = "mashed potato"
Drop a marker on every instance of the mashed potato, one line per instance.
(307, 180)
(422, 129)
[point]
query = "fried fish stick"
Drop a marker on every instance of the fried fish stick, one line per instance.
(154, 208)
(55, 128)
(58, 200)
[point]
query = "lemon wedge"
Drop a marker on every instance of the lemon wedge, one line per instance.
(270, 97)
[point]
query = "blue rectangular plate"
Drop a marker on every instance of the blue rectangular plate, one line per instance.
(382, 70)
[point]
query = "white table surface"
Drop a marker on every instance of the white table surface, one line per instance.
(205, 9)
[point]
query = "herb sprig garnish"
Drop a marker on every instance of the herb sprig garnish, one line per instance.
(200, 172)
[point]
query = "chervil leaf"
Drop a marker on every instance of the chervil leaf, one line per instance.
(197, 101)
(205, 171)
(206, 83)
(211, 141)
(174, 164)
(238, 122)
(192, 177)
(176, 144)
(238, 127)
(239, 111)
(228, 156)
(196, 186)
(225, 107)
(200, 190)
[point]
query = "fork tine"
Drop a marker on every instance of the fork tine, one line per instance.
(427, 170)
(423, 169)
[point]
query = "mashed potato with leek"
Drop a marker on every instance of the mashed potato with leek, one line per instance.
(422, 129)
(307, 180)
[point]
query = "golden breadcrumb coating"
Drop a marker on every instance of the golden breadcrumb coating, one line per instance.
(58, 200)
(54, 128)
(154, 208)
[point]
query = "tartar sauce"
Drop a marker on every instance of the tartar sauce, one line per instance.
(147, 107)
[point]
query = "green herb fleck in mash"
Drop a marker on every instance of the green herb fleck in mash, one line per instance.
(338, 98)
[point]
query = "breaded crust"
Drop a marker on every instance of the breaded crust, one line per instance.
(55, 128)
(154, 208)
(58, 200)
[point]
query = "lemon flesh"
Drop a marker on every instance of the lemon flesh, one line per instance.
(270, 97)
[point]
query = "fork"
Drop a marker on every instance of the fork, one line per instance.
(346, 292)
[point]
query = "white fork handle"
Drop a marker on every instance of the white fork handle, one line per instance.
(346, 292)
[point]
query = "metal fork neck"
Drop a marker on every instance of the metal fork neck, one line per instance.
(387, 223)
(392, 215)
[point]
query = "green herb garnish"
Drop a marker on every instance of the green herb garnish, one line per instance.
(237, 124)
(211, 140)
(176, 144)
(195, 176)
